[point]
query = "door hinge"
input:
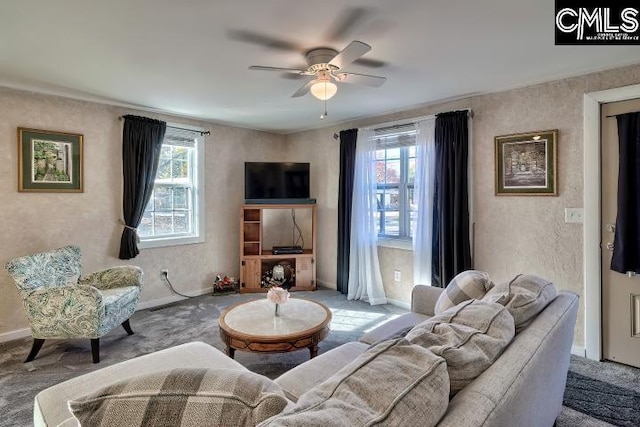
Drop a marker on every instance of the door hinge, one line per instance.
(313, 260)
(242, 262)
(242, 285)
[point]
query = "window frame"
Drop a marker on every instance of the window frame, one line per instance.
(404, 239)
(196, 194)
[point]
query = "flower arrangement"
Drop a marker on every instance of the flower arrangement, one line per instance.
(278, 296)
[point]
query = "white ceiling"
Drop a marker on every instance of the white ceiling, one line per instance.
(181, 56)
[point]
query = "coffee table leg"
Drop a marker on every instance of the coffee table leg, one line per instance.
(313, 350)
(231, 352)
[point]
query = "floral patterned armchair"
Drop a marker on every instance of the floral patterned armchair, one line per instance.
(61, 304)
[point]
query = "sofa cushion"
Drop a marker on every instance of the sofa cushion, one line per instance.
(392, 383)
(392, 328)
(183, 397)
(525, 296)
(469, 336)
(470, 284)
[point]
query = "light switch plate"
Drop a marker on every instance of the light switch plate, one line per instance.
(574, 215)
(397, 276)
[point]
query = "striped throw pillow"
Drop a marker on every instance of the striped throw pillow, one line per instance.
(470, 284)
(183, 397)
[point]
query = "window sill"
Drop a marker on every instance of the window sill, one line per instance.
(406, 245)
(169, 241)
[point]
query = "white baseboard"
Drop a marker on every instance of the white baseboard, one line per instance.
(578, 351)
(171, 299)
(401, 304)
(15, 335)
(26, 332)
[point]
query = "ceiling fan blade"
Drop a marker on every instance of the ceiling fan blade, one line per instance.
(371, 63)
(263, 40)
(303, 90)
(353, 51)
(348, 21)
(263, 68)
(362, 79)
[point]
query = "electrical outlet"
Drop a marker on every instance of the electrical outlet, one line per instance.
(574, 215)
(397, 275)
(164, 273)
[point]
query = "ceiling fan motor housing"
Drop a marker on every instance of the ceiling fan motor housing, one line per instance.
(321, 57)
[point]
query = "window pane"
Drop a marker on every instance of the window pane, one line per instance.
(180, 198)
(163, 223)
(380, 154)
(392, 223)
(393, 171)
(164, 169)
(162, 198)
(380, 172)
(412, 171)
(412, 151)
(181, 222)
(393, 153)
(180, 169)
(181, 153)
(146, 226)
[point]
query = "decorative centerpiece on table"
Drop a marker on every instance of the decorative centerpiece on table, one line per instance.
(278, 296)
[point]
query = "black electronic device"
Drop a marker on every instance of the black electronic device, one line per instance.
(286, 250)
(276, 182)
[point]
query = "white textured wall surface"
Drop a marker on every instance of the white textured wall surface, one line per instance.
(34, 222)
(513, 234)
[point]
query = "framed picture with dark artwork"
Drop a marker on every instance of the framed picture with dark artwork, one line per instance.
(49, 161)
(526, 164)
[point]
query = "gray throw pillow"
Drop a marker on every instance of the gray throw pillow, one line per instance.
(183, 397)
(392, 384)
(470, 284)
(525, 296)
(469, 336)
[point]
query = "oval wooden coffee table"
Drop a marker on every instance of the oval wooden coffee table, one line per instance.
(253, 326)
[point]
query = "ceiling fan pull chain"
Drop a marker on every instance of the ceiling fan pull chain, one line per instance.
(322, 116)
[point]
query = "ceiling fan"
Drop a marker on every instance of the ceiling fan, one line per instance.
(325, 69)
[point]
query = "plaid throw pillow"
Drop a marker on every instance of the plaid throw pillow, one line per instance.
(470, 284)
(525, 296)
(183, 397)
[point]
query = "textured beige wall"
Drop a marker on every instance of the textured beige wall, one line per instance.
(32, 222)
(513, 234)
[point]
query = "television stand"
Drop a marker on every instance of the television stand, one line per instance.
(256, 262)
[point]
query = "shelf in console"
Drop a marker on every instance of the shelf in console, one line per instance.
(269, 254)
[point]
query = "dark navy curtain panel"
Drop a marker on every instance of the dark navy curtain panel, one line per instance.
(345, 196)
(626, 244)
(141, 144)
(451, 252)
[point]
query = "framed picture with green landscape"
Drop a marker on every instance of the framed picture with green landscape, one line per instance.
(526, 164)
(49, 161)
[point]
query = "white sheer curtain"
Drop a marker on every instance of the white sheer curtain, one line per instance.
(424, 187)
(365, 280)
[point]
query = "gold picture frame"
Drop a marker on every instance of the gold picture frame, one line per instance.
(50, 161)
(526, 164)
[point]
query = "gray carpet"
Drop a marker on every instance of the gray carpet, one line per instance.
(196, 320)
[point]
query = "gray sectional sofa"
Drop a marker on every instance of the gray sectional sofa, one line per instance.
(523, 387)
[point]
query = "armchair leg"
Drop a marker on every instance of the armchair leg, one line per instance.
(95, 349)
(35, 348)
(127, 327)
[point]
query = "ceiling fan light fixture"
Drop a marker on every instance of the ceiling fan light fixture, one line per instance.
(323, 89)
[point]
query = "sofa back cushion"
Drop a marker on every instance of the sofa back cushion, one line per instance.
(525, 296)
(392, 383)
(470, 284)
(183, 397)
(469, 336)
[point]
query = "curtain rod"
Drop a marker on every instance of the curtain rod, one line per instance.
(409, 121)
(201, 132)
(616, 115)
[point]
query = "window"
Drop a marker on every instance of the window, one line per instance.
(395, 171)
(175, 210)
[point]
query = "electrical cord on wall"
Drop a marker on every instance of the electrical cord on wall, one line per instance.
(300, 238)
(166, 277)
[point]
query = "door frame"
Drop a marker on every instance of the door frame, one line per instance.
(591, 230)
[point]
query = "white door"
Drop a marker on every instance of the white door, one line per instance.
(620, 292)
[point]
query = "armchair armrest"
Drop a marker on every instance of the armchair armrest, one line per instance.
(424, 298)
(64, 312)
(115, 277)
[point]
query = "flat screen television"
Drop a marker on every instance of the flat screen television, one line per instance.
(276, 182)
